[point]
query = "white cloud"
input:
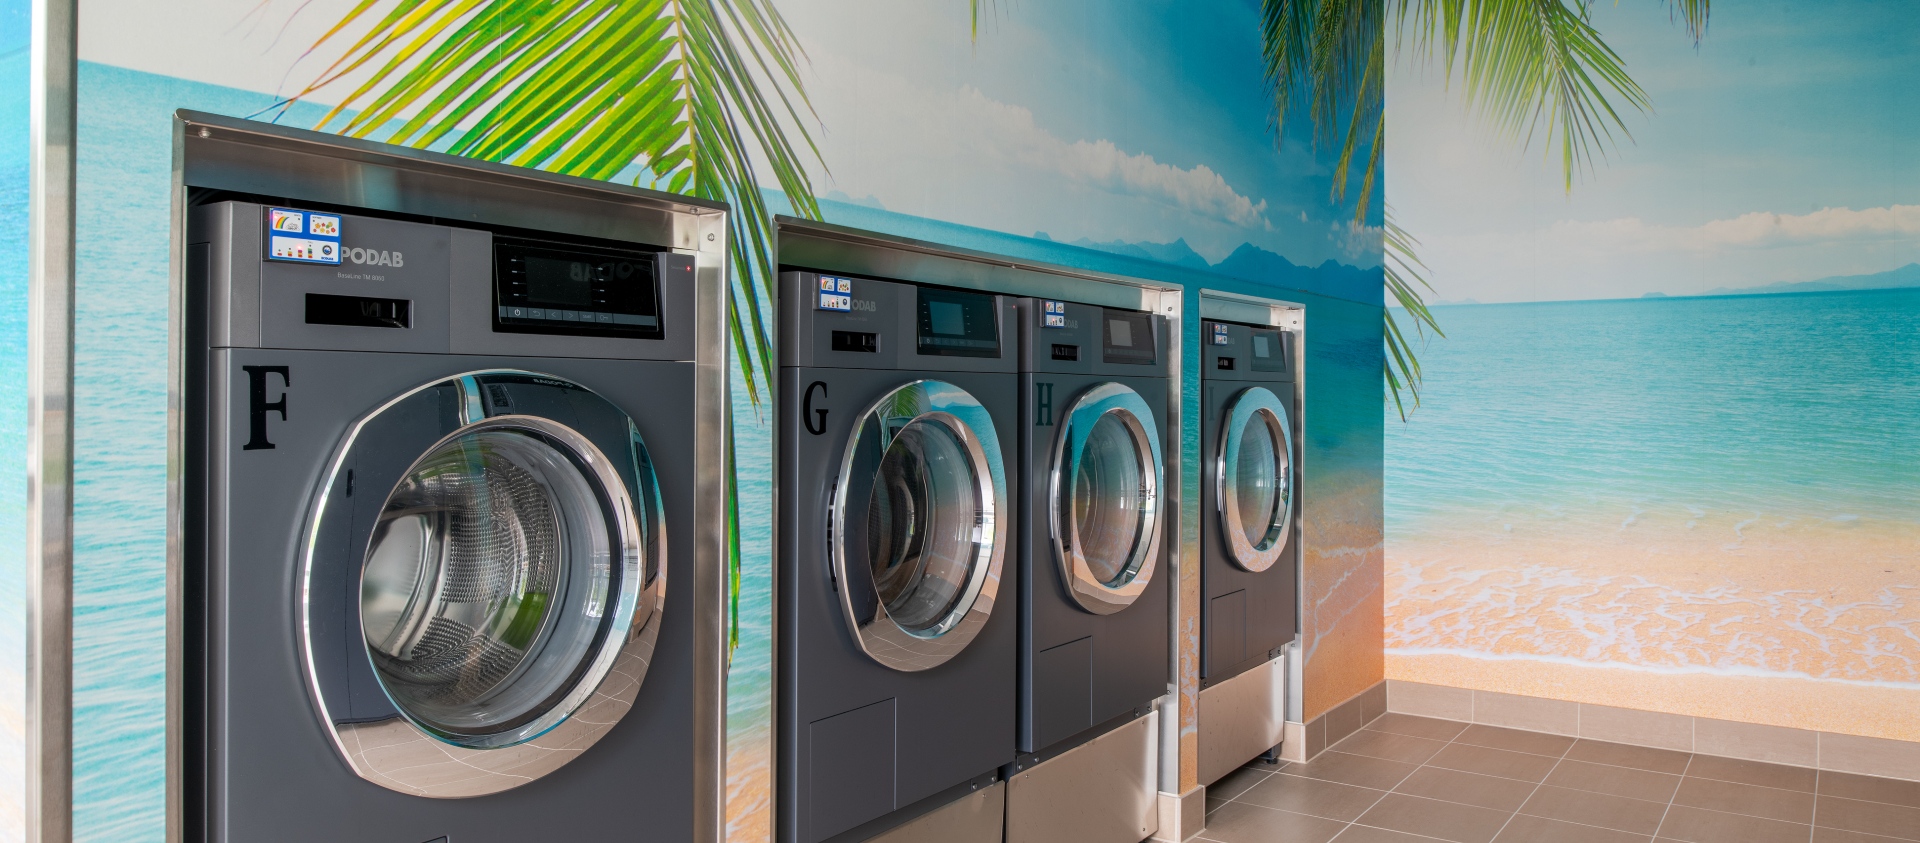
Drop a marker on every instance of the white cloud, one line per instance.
(1757, 230)
(1358, 244)
(947, 150)
(1011, 130)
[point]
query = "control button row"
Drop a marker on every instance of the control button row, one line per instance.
(549, 314)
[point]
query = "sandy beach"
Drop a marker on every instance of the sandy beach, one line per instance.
(1806, 622)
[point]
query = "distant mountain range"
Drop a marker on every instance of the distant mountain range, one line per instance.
(1906, 276)
(1252, 263)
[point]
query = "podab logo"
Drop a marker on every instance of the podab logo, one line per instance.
(375, 257)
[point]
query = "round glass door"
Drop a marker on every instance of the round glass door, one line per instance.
(1105, 493)
(502, 595)
(917, 525)
(1254, 477)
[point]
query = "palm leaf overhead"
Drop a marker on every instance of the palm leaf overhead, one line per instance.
(595, 88)
(1534, 69)
(592, 89)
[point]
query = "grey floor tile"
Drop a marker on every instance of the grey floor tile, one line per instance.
(1359, 770)
(1420, 727)
(1696, 825)
(1314, 797)
(1616, 781)
(1635, 816)
(1834, 835)
(1515, 740)
(1754, 801)
(1493, 762)
(1239, 822)
(1752, 772)
(1489, 792)
(1432, 818)
(1214, 805)
(1870, 789)
(1235, 783)
(1526, 829)
(1369, 834)
(1403, 748)
(1896, 821)
(1637, 757)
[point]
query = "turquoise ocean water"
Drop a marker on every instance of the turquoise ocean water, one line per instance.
(13, 411)
(1779, 406)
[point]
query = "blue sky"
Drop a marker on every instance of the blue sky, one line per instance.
(1782, 150)
(1137, 120)
(1105, 119)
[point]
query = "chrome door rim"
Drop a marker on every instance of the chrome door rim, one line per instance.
(1253, 403)
(405, 755)
(1086, 589)
(880, 636)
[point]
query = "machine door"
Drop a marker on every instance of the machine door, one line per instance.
(919, 525)
(1253, 476)
(1105, 498)
(482, 582)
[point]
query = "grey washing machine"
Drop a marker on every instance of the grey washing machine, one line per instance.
(1249, 536)
(453, 521)
(895, 633)
(1093, 574)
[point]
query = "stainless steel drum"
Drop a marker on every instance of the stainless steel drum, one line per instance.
(505, 590)
(1105, 493)
(1255, 477)
(919, 524)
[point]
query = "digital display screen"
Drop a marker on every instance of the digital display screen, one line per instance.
(1269, 351)
(552, 281)
(560, 288)
(957, 323)
(1127, 337)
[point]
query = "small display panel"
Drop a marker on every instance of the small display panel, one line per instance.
(955, 323)
(1269, 351)
(1127, 337)
(552, 288)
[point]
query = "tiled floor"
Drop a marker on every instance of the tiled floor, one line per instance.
(1406, 779)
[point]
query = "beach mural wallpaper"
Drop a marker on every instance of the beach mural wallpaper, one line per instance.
(1126, 136)
(13, 411)
(1667, 455)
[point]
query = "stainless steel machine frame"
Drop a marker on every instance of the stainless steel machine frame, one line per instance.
(1246, 715)
(252, 158)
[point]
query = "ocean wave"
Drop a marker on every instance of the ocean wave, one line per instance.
(1830, 630)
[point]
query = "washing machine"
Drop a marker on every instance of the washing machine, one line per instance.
(453, 523)
(1094, 612)
(1249, 536)
(896, 518)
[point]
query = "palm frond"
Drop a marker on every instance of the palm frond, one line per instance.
(593, 88)
(692, 91)
(1404, 269)
(1533, 68)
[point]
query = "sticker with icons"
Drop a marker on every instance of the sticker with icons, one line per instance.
(1053, 314)
(1219, 334)
(303, 236)
(836, 294)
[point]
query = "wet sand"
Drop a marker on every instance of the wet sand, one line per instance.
(1801, 622)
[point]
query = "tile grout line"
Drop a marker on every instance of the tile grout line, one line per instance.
(1536, 788)
(1403, 780)
(1686, 773)
(1674, 796)
(1385, 792)
(1813, 822)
